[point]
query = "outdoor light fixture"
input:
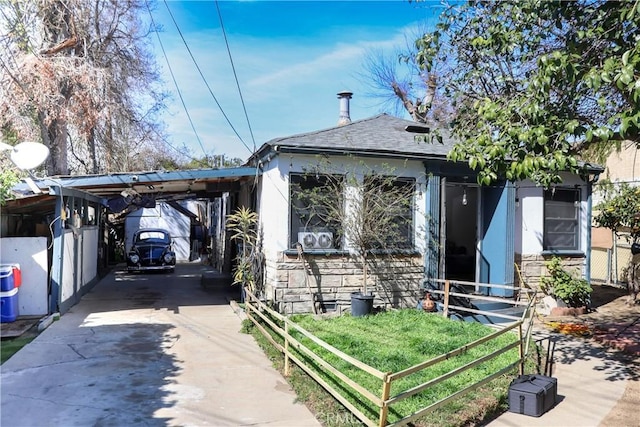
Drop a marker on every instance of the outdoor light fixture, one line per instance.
(464, 197)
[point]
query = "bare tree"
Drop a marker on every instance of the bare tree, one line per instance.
(369, 207)
(78, 76)
(397, 78)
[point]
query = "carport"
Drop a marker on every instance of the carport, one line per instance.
(75, 221)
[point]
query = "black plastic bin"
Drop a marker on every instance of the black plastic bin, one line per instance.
(361, 304)
(532, 395)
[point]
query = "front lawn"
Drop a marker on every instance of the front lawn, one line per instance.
(9, 347)
(396, 340)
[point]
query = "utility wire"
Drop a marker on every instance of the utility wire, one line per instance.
(235, 76)
(164, 53)
(204, 79)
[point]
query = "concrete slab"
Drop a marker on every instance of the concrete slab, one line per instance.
(155, 349)
(591, 381)
(17, 328)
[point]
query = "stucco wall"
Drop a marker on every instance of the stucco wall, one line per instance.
(334, 276)
(623, 165)
(530, 216)
(31, 254)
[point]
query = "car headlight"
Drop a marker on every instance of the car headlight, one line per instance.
(168, 257)
(134, 258)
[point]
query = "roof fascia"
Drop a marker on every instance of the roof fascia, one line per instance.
(149, 177)
(61, 190)
(359, 153)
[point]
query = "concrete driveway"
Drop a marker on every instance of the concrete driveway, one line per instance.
(147, 350)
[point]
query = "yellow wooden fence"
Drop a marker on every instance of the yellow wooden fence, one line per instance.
(262, 316)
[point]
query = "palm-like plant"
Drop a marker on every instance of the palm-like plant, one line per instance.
(243, 227)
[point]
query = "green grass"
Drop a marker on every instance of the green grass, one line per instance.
(394, 341)
(9, 347)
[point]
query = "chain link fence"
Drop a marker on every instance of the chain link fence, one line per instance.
(608, 265)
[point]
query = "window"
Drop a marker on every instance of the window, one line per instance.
(562, 219)
(388, 207)
(314, 202)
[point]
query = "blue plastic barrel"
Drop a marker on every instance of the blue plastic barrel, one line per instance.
(7, 282)
(9, 306)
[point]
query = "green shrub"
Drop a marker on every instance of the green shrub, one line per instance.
(561, 284)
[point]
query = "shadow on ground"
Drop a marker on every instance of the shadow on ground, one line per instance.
(108, 375)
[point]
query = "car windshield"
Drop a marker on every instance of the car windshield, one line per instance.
(152, 237)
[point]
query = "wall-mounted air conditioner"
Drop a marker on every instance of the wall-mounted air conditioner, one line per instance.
(316, 240)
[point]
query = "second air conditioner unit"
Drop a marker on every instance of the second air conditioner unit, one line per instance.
(316, 240)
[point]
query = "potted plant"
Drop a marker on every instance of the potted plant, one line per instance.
(563, 285)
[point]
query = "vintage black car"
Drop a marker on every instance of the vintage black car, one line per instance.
(151, 250)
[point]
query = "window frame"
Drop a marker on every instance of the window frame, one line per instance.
(410, 242)
(551, 224)
(294, 217)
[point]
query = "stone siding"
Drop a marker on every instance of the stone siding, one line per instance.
(532, 268)
(294, 285)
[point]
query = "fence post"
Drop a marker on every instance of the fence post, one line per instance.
(286, 348)
(384, 409)
(445, 311)
(521, 349)
(609, 269)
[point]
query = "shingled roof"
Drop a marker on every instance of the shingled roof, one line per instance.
(379, 135)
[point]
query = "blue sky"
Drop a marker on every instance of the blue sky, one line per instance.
(291, 59)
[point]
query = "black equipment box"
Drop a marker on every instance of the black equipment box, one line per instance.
(532, 394)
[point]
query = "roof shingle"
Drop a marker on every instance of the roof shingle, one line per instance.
(381, 134)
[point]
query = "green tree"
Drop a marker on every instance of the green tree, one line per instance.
(8, 178)
(216, 161)
(534, 83)
(620, 211)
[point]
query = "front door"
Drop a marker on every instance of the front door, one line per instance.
(496, 248)
(461, 231)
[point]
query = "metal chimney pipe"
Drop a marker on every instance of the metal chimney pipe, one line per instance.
(344, 98)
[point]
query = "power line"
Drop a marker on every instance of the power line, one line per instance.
(235, 76)
(204, 79)
(184, 106)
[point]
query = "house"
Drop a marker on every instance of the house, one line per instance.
(458, 231)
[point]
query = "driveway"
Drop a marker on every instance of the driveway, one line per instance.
(148, 350)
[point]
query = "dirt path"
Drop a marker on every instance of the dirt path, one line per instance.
(625, 413)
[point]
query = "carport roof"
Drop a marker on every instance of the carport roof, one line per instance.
(151, 182)
(160, 184)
